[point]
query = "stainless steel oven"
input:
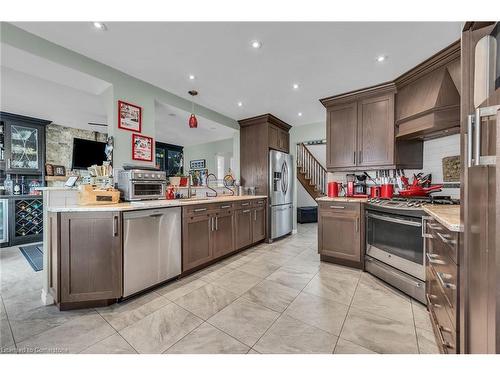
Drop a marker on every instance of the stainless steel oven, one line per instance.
(395, 248)
(138, 184)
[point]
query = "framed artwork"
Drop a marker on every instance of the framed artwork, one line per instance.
(129, 116)
(142, 147)
(49, 169)
(197, 164)
(59, 170)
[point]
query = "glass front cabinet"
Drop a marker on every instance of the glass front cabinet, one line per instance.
(24, 139)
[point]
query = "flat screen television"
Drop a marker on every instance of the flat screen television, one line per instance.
(87, 153)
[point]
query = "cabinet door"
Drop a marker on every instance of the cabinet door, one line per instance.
(339, 235)
(376, 131)
(91, 256)
(24, 148)
(243, 226)
(258, 224)
(274, 137)
(223, 234)
(284, 139)
(341, 133)
(196, 236)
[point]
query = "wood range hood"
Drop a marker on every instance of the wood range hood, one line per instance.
(428, 97)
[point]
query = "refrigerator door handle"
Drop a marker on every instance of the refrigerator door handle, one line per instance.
(481, 113)
(470, 124)
(285, 177)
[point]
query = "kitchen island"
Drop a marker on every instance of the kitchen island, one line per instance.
(87, 253)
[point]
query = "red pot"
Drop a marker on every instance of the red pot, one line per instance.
(387, 191)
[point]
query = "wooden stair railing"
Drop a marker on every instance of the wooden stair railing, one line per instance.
(311, 174)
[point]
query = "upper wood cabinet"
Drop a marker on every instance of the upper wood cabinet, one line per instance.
(360, 129)
(257, 136)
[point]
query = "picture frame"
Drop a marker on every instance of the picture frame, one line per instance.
(129, 116)
(142, 147)
(197, 164)
(59, 170)
(49, 169)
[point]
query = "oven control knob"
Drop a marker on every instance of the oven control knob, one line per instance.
(139, 175)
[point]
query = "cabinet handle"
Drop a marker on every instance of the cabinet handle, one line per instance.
(338, 207)
(255, 215)
(115, 226)
(354, 158)
(246, 211)
(429, 302)
(211, 224)
(446, 240)
(228, 206)
(444, 343)
(245, 204)
(216, 223)
(433, 259)
(357, 225)
(424, 233)
(199, 209)
(441, 276)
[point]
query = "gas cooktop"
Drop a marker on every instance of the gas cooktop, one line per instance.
(411, 203)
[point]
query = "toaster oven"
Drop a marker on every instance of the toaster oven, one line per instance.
(139, 184)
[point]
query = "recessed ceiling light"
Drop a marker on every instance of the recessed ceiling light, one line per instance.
(172, 114)
(381, 58)
(240, 104)
(256, 44)
(100, 26)
(300, 114)
(295, 86)
(191, 77)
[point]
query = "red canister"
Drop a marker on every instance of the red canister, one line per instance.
(334, 189)
(386, 191)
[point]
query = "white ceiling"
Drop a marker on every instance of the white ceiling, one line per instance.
(171, 124)
(324, 58)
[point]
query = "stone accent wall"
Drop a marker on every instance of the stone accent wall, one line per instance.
(59, 144)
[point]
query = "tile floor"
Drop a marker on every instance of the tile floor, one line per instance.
(276, 298)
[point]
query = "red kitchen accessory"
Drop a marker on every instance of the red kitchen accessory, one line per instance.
(350, 189)
(418, 191)
(375, 192)
(386, 191)
(334, 189)
(170, 192)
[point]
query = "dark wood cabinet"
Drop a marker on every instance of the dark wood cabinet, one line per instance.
(196, 241)
(243, 226)
(222, 233)
(257, 136)
(376, 131)
(341, 132)
(360, 129)
(259, 224)
(211, 231)
(442, 284)
(89, 256)
(24, 144)
(340, 233)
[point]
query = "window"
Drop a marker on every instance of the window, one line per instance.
(220, 162)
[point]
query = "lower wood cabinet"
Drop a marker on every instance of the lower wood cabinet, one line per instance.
(442, 284)
(212, 231)
(89, 256)
(244, 232)
(196, 241)
(222, 233)
(340, 233)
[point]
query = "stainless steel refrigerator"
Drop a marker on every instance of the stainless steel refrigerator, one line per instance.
(280, 194)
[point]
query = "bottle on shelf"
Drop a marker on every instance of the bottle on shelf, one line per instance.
(17, 187)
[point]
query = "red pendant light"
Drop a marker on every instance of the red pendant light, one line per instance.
(193, 121)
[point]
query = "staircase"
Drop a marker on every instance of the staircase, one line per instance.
(311, 174)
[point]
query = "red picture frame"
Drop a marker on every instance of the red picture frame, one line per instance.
(129, 116)
(142, 147)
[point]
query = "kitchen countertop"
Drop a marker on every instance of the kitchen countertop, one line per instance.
(342, 199)
(142, 205)
(449, 216)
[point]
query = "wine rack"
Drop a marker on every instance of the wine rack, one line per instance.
(28, 220)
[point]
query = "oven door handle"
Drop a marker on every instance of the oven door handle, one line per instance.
(395, 220)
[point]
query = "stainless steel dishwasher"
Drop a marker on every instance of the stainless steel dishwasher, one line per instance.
(151, 248)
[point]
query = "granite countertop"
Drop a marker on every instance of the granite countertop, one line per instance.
(20, 196)
(449, 216)
(342, 199)
(142, 205)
